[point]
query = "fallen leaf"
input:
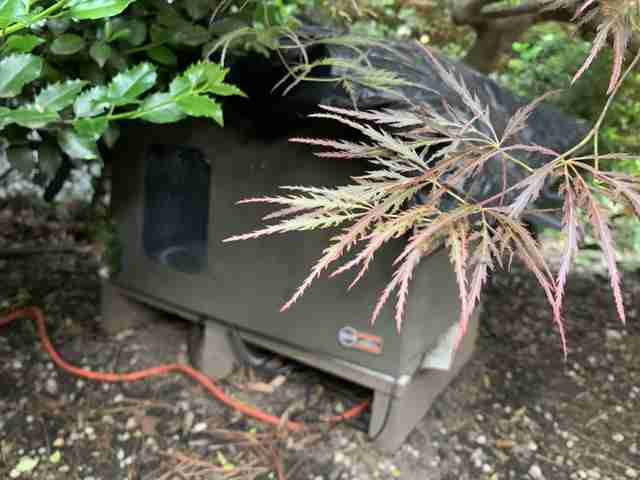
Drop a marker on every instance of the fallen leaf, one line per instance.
(261, 387)
(26, 464)
(55, 457)
(278, 381)
(505, 444)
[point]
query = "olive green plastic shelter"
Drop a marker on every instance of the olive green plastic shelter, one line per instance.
(175, 189)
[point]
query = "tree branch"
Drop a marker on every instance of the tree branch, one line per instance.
(532, 8)
(496, 29)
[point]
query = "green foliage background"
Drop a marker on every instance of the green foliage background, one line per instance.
(72, 70)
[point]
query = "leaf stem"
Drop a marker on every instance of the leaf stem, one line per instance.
(16, 27)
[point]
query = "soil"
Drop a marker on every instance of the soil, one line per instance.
(518, 410)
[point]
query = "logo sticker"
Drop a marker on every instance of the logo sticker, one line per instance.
(349, 337)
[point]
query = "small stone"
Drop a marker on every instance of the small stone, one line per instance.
(108, 419)
(631, 473)
(486, 468)
(89, 431)
(613, 334)
(64, 468)
(481, 440)
(617, 437)
(131, 423)
(338, 457)
(187, 423)
(535, 472)
(16, 364)
(477, 457)
(51, 386)
(58, 442)
(118, 398)
(533, 446)
(199, 427)
(30, 418)
(120, 454)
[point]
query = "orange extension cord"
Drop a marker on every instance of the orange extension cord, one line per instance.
(36, 314)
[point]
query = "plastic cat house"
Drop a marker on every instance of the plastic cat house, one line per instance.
(174, 195)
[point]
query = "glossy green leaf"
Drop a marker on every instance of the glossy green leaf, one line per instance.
(192, 36)
(137, 32)
(206, 72)
(205, 77)
(92, 128)
(112, 35)
(11, 11)
(201, 106)
(163, 55)
(21, 43)
(161, 108)
(130, 84)
(198, 76)
(225, 90)
(100, 52)
(67, 44)
(180, 85)
(77, 146)
(94, 9)
(59, 95)
(16, 71)
(92, 102)
(23, 159)
(28, 117)
(131, 30)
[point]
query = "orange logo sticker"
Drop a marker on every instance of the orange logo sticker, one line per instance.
(349, 337)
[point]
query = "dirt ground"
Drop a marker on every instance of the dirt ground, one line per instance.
(518, 410)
